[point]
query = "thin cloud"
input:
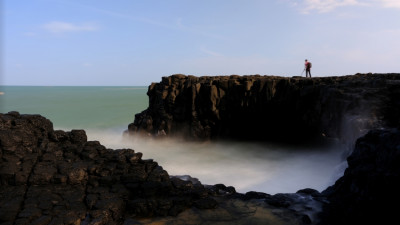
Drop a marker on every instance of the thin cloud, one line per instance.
(65, 27)
(126, 16)
(119, 15)
(209, 52)
(324, 6)
(178, 25)
(391, 3)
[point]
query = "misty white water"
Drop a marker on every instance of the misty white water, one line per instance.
(246, 166)
(105, 112)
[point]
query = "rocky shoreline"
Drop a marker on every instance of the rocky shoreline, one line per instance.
(51, 176)
(55, 177)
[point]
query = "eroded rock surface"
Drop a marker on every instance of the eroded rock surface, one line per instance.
(57, 177)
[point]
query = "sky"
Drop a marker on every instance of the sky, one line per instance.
(136, 42)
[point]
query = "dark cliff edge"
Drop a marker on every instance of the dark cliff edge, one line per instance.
(269, 108)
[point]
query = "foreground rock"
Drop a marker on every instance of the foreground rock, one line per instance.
(269, 108)
(57, 177)
(233, 211)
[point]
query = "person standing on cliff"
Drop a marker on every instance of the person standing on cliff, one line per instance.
(307, 68)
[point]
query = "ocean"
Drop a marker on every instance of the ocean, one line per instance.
(105, 112)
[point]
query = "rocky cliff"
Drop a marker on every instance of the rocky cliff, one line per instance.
(55, 177)
(269, 108)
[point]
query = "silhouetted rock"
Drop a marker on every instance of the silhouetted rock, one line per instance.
(268, 107)
(369, 189)
(57, 177)
(255, 195)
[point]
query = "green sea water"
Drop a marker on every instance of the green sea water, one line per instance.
(77, 107)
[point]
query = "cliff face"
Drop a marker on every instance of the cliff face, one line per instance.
(269, 108)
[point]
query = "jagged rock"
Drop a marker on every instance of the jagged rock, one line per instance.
(268, 107)
(57, 177)
(369, 189)
(255, 195)
(309, 191)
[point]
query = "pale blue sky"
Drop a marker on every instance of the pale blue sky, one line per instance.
(132, 42)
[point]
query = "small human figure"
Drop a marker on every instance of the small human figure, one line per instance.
(307, 67)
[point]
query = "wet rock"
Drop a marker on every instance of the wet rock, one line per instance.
(206, 203)
(309, 191)
(221, 190)
(255, 195)
(229, 211)
(279, 200)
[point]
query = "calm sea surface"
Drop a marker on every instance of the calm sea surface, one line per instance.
(105, 112)
(77, 107)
